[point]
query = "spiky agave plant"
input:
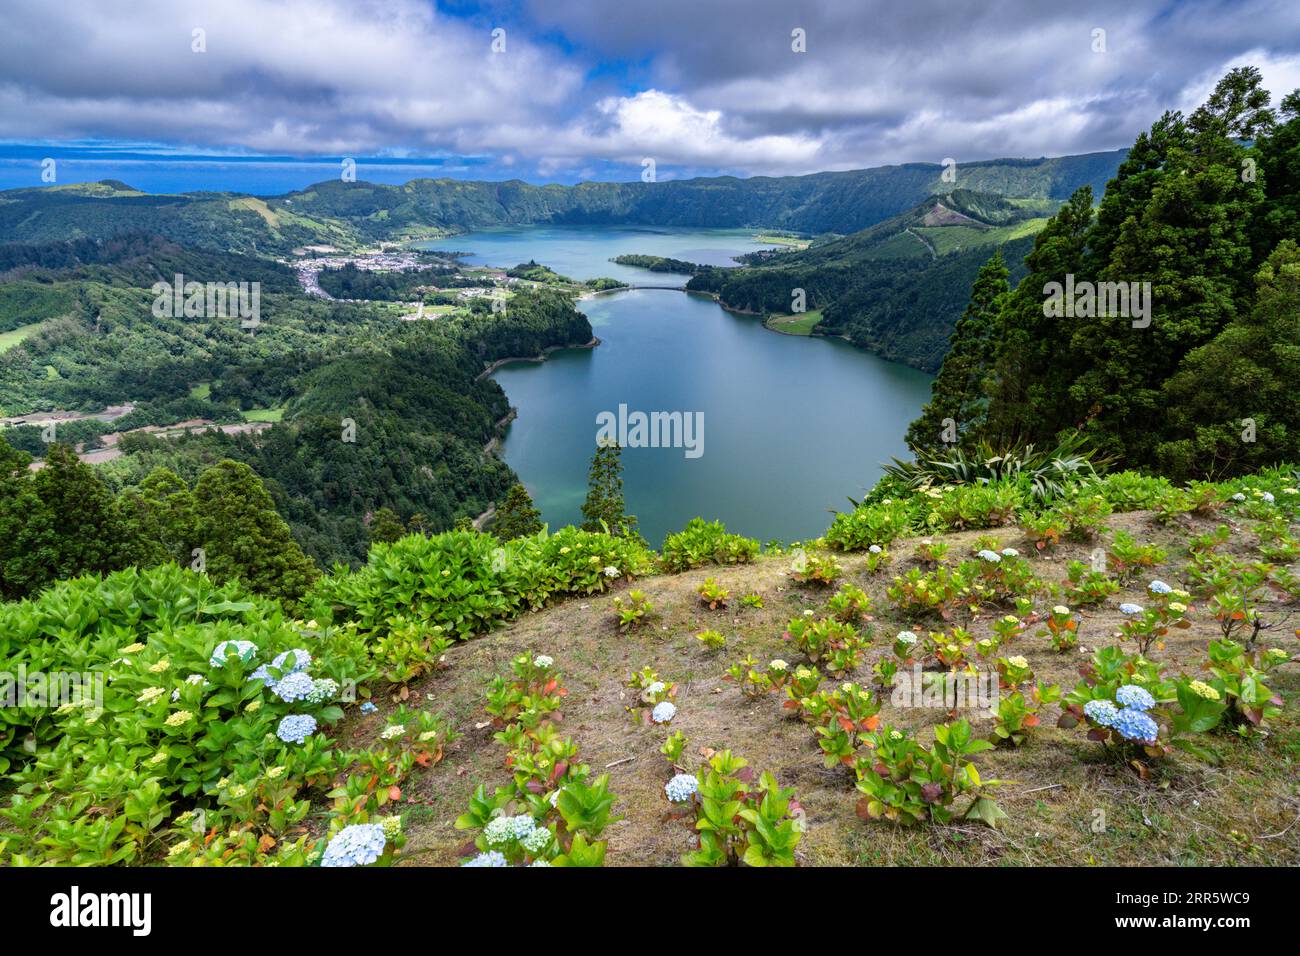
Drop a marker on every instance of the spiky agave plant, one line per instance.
(1043, 474)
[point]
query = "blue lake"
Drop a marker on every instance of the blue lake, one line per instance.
(792, 426)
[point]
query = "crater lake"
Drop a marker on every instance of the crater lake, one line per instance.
(792, 426)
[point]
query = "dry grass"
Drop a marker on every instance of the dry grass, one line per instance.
(1068, 805)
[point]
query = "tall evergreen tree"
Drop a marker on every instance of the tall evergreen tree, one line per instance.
(164, 516)
(1029, 398)
(959, 392)
(66, 523)
(1191, 242)
(517, 518)
(244, 537)
(604, 508)
(1232, 404)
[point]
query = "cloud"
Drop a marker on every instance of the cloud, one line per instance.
(584, 86)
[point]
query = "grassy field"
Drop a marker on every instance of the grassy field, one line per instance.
(203, 390)
(1068, 803)
(801, 323)
(947, 239)
(15, 337)
(793, 242)
(263, 414)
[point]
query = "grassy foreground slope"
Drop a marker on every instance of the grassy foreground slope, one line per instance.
(1189, 813)
(459, 686)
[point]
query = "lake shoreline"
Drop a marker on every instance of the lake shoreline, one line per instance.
(540, 357)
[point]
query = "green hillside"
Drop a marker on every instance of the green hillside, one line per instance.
(896, 288)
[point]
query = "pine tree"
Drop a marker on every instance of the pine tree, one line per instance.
(604, 508)
(517, 518)
(959, 392)
(385, 526)
(244, 537)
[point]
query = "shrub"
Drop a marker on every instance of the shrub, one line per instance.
(906, 783)
(713, 594)
(1125, 557)
(1042, 474)
(214, 706)
(705, 542)
(1086, 586)
(1130, 491)
(867, 525)
(850, 604)
(810, 567)
(553, 812)
(633, 611)
(740, 822)
(467, 582)
(976, 506)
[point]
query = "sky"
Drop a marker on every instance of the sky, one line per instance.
(566, 90)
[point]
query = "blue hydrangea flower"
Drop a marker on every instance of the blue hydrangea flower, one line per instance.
(301, 660)
(1130, 609)
(294, 687)
(540, 863)
(990, 556)
(874, 549)
(1268, 497)
(1135, 697)
(663, 712)
(490, 858)
(244, 650)
(681, 788)
(262, 674)
(1159, 587)
(368, 707)
(1135, 725)
(296, 728)
(357, 845)
(1101, 712)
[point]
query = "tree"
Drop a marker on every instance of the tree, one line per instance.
(1032, 370)
(244, 537)
(1232, 403)
(164, 517)
(604, 508)
(64, 523)
(17, 501)
(959, 391)
(517, 518)
(385, 526)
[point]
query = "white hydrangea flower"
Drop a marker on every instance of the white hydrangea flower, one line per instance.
(663, 712)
